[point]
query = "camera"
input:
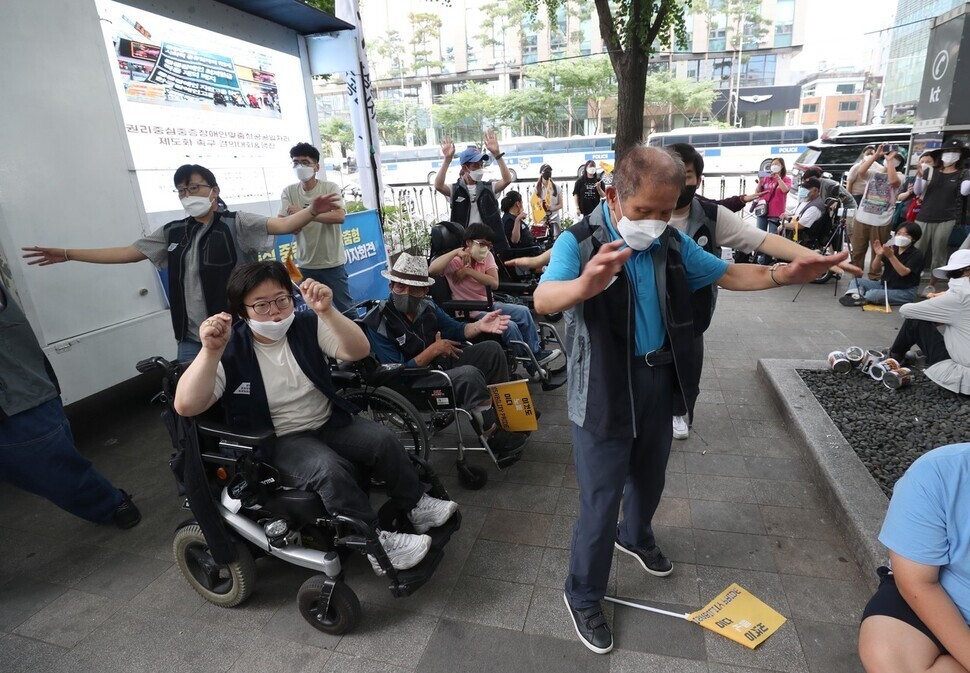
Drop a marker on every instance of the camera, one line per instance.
(887, 148)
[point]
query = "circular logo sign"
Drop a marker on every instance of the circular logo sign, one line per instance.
(940, 64)
(702, 241)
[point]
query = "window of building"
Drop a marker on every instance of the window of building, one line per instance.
(784, 20)
(846, 122)
(717, 26)
(530, 44)
(845, 88)
(849, 106)
(694, 70)
(687, 45)
(558, 31)
(758, 70)
(586, 35)
(809, 108)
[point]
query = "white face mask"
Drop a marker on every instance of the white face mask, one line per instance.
(775, 168)
(272, 330)
(902, 241)
(304, 173)
(639, 234)
(950, 158)
(196, 206)
(591, 172)
(479, 252)
(477, 174)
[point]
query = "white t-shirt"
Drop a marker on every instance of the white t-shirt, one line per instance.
(731, 232)
(474, 217)
(295, 404)
(552, 197)
(807, 215)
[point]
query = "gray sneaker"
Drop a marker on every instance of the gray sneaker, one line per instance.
(430, 513)
(403, 549)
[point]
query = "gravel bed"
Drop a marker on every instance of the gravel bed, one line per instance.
(889, 429)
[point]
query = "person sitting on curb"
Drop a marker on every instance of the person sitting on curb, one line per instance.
(947, 354)
(37, 451)
(270, 369)
(900, 271)
(470, 269)
(917, 619)
(410, 328)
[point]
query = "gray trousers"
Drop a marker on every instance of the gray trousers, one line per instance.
(478, 365)
(610, 468)
(935, 240)
(323, 460)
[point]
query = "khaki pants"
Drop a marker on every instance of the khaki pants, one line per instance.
(936, 237)
(861, 238)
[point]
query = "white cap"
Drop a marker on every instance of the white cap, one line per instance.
(958, 260)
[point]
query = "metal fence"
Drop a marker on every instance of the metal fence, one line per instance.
(410, 212)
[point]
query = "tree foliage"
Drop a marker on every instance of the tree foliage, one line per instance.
(336, 130)
(472, 106)
(427, 30)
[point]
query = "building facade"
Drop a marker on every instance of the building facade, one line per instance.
(830, 100)
(421, 50)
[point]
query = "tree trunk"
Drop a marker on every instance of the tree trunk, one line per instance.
(631, 88)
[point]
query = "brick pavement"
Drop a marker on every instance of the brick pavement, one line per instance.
(739, 506)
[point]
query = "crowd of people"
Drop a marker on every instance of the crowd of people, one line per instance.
(637, 276)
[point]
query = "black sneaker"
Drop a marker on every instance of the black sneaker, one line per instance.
(503, 442)
(852, 299)
(652, 560)
(126, 515)
(591, 627)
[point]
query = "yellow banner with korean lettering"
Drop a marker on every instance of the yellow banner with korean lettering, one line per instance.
(513, 406)
(740, 616)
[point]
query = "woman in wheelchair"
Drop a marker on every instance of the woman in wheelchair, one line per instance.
(270, 369)
(409, 328)
(470, 269)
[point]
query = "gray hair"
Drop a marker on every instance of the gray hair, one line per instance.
(659, 166)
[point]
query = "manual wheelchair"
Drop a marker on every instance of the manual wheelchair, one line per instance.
(241, 511)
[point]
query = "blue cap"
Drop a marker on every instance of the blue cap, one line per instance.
(471, 155)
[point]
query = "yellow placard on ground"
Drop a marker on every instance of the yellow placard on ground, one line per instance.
(513, 406)
(738, 615)
(878, 308)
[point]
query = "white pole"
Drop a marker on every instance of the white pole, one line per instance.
(885, 289)
(685, 616)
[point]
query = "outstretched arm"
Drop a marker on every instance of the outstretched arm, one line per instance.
(47, 256)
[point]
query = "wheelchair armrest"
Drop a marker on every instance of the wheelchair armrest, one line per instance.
(517, 288)
(466, 306)
(222, 431)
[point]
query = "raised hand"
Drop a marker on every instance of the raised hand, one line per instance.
(603, 267)
(877, 248)
(325, 203)
(447, 148)
(317, 296)
(493, 323)
(491, 143)
(45, 256)
(215, 331)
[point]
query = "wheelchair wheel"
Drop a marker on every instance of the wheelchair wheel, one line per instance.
(393, 411)
(341, 615)
(223, 585)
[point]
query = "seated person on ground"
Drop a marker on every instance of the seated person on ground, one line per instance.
(517, 230)
(470, 269)
(947, 353)
(410, 328)
(902, 264)
(271, 369)
(917, 619)
(810, 208)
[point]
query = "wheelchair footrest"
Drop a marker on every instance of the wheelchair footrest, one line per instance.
(412, 579)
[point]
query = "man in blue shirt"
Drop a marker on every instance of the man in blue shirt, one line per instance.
(409, 328)
(917, 619)
(625, 280)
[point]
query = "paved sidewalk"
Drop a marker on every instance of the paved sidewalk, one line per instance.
(739, 507)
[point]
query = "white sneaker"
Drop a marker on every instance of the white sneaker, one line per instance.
(431, 513)
(403, 549)
(549, 356)
(681, 431)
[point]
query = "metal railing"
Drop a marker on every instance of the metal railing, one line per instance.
(411, 211)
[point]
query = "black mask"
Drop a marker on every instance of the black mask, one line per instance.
(686, 196)
(405, 303)
(547, 174)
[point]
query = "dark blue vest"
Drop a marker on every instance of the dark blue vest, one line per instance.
(244, 399)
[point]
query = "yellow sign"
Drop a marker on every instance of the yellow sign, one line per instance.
(538, 209)
(513, 406)
(738, 615)
(877, 308)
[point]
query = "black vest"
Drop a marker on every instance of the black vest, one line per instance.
(487, 208)
(703, 299)
(609, 319)
(244, 399)
(217, 258)
(411, 338)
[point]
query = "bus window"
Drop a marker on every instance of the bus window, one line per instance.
(603, 143)
(766, 138)
(798, 137)
(428, 154)
(736, 139)
(702, 140)
(667, 141)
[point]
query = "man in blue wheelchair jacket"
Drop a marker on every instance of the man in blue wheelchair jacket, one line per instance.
(270, 369)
